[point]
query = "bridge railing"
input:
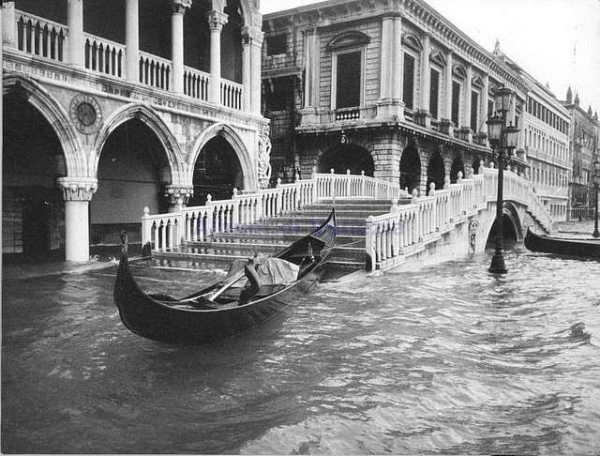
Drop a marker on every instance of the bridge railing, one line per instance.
(198, 224)
(407, 228)
(352, 185)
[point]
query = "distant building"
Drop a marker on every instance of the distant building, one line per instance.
(389, 88)
(546, 141)
(584, 147)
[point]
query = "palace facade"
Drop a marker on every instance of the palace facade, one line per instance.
(115, 105)
(388, 87)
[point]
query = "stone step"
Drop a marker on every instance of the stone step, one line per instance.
(303, 219)
(298, 228)
(356, 251)
(322, 214)
(277, 238)
(344, 208)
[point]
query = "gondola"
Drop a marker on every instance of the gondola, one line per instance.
(582, 248)
(223, 309)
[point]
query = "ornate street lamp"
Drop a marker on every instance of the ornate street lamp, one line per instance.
(596, 183)
(503, 140)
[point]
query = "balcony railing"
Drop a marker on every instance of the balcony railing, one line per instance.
(40, 37)
(196, 83)
(49, 40)
(104, 56)
(347, 114)
(155, 71)
(231, 94)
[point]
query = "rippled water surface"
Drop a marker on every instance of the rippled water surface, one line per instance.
(446, 360)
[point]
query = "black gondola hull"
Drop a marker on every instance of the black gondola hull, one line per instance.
(164, 319)
(153, 319)
(581, 248)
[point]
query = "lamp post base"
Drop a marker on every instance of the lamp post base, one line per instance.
(596, 234)
(498, 266)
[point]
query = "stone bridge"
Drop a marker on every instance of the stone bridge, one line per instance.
(448, 223)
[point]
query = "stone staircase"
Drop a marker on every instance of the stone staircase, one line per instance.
(272, 234)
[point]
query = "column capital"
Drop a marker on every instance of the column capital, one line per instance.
(252, 35)
(216, 20)
(179, 6)
(77, 188)
(175, 193)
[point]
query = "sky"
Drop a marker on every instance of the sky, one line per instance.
(556, 41)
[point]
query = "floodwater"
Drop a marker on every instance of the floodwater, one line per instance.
(448, 359)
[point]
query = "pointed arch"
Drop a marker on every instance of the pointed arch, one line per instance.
(249, 8)
(148, 116)
(56, 116)
(232, 137)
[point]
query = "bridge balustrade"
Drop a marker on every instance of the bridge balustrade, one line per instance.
(390, 237)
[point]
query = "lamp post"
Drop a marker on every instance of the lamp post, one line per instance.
(596, 183)
(503, 136)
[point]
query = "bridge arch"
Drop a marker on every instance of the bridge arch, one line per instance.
(56, 116)
(512, 227)
(149, 117)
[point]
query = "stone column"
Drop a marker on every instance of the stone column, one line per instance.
(132, 40)
(424, 115)
(311, 85)
(446, 125)
(387, 56)
(246, 72)
(178, 196)
(256, 41)
(216, 21)
(468, 96)
(75, 39)
(310, 67)
(179, 7)
(398, 66)
(485, 91)
(9, 36)
(77, 194)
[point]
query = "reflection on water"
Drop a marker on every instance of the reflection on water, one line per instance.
(448, 359)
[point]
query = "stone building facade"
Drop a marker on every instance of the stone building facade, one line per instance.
(546, 126)
(584, 147)
(391, 88)
(113, 106)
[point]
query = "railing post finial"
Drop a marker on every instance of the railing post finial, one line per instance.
(208, 198)
(332, 171)
(146, 211)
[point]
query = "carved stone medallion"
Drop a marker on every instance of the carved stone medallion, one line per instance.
(86, 114)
